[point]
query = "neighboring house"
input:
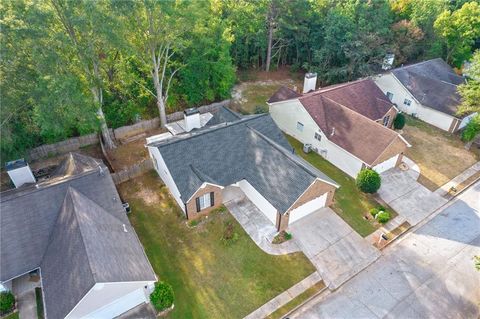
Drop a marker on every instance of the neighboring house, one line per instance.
(348, 124)
(247, 156)
(427, 90)
(73, 230)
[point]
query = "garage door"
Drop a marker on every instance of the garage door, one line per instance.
(307, 208)
(383, 166)
(120, 305)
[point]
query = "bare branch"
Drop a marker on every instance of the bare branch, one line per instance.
(168, 84)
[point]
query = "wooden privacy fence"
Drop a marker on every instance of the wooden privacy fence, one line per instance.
(73, 144)
(132, 171)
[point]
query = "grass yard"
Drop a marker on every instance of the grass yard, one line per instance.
(209, 279)
(13, 315)
(440, 155)
(349, 203)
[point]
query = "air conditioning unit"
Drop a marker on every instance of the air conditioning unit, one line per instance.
(307, 148)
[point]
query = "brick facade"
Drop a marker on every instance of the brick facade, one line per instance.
(191, 206)
(392, 113)
(317, 189)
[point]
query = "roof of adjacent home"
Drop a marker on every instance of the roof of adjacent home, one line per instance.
(357, 134)
(252, 148)
(73, 228)
(433, 83)
(223, 115)
(362, 96)
(282, 94)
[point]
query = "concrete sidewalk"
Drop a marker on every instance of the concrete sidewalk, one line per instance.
(285, 297)
(472, 170)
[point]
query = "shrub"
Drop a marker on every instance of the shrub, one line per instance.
(229, 235)
(472, 129)
(260, 109)
(193, 223)
(288, 236)
(368, 181)
(373, 212)
(7, 302)
(399, 121)
(162, 296)
(383, 217)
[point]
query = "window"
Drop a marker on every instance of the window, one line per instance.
(300, 126)
(390, 96)
(318, 137)
(204, 201)
(407, 102)
(386, 119)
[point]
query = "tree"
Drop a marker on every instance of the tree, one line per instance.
(368, 180)
(470, 91)
(399, 121)
(460, 29)
(155, 35)
(472, 129)
(407, 45)
(91, 31)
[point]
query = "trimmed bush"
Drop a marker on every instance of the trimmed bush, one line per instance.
(373, 212)
(383, 217)
(399, 121)
(230, 236)
(162, 296)
(368, 181)
(7, 302)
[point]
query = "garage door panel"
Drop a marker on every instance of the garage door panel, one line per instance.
(307, 208)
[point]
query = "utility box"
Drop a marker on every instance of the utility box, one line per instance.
(19, 172)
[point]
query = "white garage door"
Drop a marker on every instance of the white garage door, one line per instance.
(120, 305)
(307, 208)
(383, 166)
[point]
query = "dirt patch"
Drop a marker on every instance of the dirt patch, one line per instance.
(133, 152)
(440, 155)
(149, 196)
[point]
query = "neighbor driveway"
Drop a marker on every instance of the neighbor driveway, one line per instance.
(335, 249)
(407, 197)
(430, 273)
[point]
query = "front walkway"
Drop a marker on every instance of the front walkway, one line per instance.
(258, 227)
(24, 289)
(335, 249)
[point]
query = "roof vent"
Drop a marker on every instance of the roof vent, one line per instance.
(19, 172)
(125, 228)
(100, 170)
(333, 132)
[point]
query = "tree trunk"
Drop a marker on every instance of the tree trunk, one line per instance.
(269, 45)
(160, 102)
(98, 99)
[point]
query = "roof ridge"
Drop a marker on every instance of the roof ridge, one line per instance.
(45, 185)
(289, 155)
(361, 115)
(201, 175)
(215, 128)
(335, 86)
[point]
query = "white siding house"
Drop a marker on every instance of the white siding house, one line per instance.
(407, 103)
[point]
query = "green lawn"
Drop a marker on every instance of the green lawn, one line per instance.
(12, 316)
(210, 280)
(349, 203)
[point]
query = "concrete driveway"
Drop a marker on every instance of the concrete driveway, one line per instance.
(430, 273)
(407, 197)
(335, 249)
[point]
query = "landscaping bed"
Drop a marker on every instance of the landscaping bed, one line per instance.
(350, 203)
(440, 155)
(211, 277)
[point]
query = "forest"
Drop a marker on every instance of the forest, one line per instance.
(70, 68)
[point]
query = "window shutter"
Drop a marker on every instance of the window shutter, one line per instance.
(197, 200)
(212, 199)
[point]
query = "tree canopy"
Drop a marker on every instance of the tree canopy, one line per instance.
(70, 68)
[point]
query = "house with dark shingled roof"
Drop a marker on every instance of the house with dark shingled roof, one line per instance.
(72, 231)
(240, 156)
(427, 90)
(349, 124)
